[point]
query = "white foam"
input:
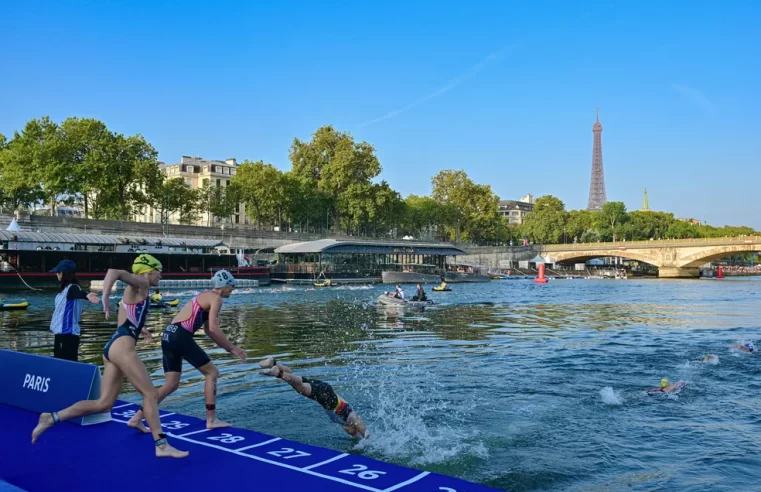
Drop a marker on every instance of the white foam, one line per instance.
(406, 424)
(610, 396)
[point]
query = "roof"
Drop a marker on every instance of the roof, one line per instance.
(53, 237)
(369, 247)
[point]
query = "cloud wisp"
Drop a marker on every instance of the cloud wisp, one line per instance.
(695, 96)
(448, 87)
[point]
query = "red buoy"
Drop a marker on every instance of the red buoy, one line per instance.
(540, 279)
(720, 273)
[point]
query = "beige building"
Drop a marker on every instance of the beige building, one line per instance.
(515, 211)
(197, 172)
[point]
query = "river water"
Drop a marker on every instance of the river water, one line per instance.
(509, 384)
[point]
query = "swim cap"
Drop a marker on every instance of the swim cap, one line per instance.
(144, 264)
(222, 279)
(750, 346)
(664, 382)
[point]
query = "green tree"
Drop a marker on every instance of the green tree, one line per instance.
(261, 189)
(334, 164)
(18, 187)
(546, 222)
(173, 196)
(84, 142)
(681, 229)
(218, 201)
(421, 213)
(646, 225)
(611, 220)
(578, 222)
(41, 141)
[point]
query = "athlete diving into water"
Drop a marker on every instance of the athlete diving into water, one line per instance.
(338, 410)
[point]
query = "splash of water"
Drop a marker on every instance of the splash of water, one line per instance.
(610, 396)
(407, 424)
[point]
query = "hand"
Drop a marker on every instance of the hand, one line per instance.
(147, 335)
(239, 353)
(93, 298)
(106, 306)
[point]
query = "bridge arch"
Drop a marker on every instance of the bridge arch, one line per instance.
(706, 255)
(583, 256)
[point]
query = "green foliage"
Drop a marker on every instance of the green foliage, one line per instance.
(611, 221)
(546, 222)
(174, 196)
(468, 211)
(261, 190)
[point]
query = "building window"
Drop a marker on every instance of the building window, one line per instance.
(237, 219)
(232, 172)
(225, 170)
(188, 169)
(217, 169)
(219, 182)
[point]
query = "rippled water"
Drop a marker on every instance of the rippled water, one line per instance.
(509, 384)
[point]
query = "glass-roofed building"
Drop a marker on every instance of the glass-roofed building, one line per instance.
(361, 261)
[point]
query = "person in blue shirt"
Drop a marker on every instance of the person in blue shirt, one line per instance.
(68, 308)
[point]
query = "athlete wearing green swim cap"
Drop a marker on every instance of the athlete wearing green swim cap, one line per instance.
(145, 264)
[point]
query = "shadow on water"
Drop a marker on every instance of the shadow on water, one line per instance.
(513, 385)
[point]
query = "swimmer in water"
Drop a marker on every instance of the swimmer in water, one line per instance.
(710, 359)
(177, 343)
(338, 410)
(120, 359)
(666, 387)
(746, 347)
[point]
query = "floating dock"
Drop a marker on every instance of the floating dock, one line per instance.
(181, 284)
(111, 456)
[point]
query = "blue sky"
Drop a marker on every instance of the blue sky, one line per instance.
(506, 91)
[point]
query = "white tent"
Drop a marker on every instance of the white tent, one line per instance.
(14, 227)
(538, 259)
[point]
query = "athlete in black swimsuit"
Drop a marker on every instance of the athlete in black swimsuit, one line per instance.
(338, 410)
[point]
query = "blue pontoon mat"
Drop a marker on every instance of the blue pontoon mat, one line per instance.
(86, 458)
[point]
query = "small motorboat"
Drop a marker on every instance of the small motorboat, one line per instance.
(388, 300)
(14, 306)
(441, 289)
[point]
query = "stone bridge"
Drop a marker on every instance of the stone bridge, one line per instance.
(674, 257)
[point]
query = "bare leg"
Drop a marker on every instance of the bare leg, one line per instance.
(109, 390)
(285, 373)
(210, 393)
(123, 353)
(171, 383)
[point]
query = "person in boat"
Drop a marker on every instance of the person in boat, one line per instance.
(745, 347)
(443, 284)
(68, 308)
(177, 344)
(156, 297)
(666, 387)
(420, 294)
(120, 359)
(338, 410)
(398, 293)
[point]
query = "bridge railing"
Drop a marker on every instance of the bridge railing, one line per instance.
(659, 243)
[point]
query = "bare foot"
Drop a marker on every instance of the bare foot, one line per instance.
(267, 363)
(274, 371)
(217, 424)
(45, 423)
(167, 451)
(136, 422)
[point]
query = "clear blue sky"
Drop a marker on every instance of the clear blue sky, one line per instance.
(506, 91)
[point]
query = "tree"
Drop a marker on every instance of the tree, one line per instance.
(218, 201)
(334, 164)
(546, 222)
(578, 222)
(260, 187)
(84, 142)
(18, 187)
(647, 225)
(421, 213)
(174, 196)
(681, 229)
(611, 219)
(41, 141)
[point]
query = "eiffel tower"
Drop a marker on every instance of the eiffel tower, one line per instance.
(597, 186)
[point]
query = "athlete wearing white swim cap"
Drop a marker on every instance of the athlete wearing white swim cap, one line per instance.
(222, 279)
(177, 344)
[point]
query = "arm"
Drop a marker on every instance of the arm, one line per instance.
(112, 276)
(76, 292)
(214, 331)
